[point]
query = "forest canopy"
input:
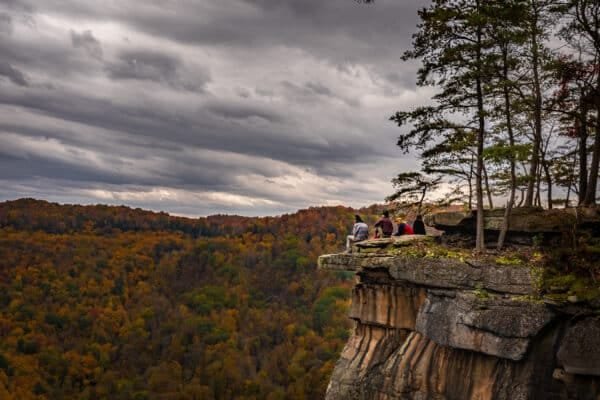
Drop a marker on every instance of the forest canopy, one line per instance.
(111, 302)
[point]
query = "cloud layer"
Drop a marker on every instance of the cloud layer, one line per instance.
(196, 107)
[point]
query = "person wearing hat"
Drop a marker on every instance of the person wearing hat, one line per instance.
(385, 225)
(403, 228)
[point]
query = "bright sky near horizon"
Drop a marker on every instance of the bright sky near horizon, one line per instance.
(196, 107)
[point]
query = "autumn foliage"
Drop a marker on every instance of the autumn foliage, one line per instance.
(101, 302)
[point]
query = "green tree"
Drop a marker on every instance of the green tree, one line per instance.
(582, 33)
(454, 53)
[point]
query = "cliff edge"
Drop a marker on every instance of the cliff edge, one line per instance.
(433, 322)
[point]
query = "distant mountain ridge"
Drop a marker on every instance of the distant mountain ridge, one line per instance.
(33, 214)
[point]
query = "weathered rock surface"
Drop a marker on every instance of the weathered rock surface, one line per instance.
(453, 329)
(368, 349)
(524, 220)
(386, 305)
(579, 351)
(490, 325)
(437, 272)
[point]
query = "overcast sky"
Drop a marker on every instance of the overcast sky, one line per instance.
(196, 107)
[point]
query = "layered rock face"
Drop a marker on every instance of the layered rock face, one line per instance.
(526, 224)
(446, 328)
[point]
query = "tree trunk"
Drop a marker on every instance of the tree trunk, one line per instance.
(590, 193)
(583, 136)
(522, 198)
(511, 141)
(471, 184)
(421, 200)
(479, 237)
(537, 111)
(487, 187)
(545, 168)
(570, 187)
(548, 183)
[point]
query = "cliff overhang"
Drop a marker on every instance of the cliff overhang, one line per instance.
(421, 308)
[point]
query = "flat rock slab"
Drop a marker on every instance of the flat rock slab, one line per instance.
(352, 262)
(451, 273)
(458, 274)
(579, 352)
(498, 327)
(386, 244)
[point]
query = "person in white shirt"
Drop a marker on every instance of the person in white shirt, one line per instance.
(360, 231)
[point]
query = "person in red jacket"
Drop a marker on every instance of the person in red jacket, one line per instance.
(384, 225)
(403, 228)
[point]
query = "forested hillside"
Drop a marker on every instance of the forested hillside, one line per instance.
(101, 302)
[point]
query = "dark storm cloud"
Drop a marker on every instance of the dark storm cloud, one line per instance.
(13, 74)
(155, 67)
(86, 41)
(356, 31)
(39, 165)
(319, 89)
(144, 66)
(262, 105)
(242, 112)
(19, 5)
(202, 127)
(23, 168)
(308, 90)
(6, 26)
(53, 59)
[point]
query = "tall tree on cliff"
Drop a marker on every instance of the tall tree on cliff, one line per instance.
(506, 30)
(537, 22)
(581, 86)
(452, 47)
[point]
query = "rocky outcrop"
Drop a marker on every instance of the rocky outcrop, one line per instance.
(525, 223)
(387, 305)
(491, 325)
(439, 272)
(451, 328)
(579, 351)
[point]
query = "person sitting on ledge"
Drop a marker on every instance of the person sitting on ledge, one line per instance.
(419, 226)
(403, 228)
(360, 231)
(384, 225)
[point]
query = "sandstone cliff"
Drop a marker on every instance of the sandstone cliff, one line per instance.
(442, 325)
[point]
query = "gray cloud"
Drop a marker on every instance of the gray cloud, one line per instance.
(248, 106)
(145, 66)
(319, 89)
(13, 74)
(18, 5)
(86, 41)
(242, 112)
(156, 67)
(6, 26)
